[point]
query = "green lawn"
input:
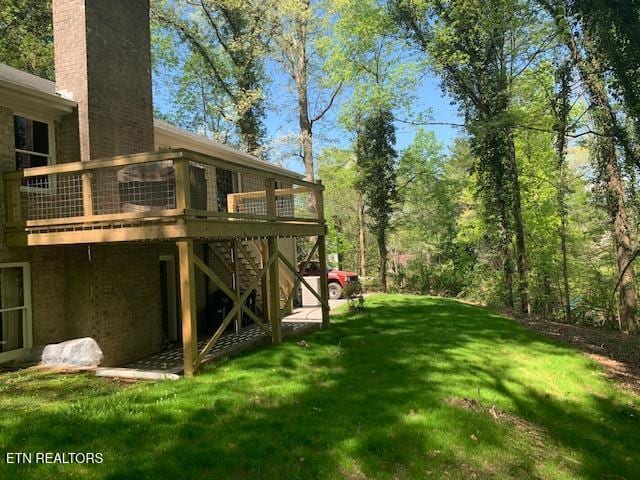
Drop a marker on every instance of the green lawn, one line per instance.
(379, 395)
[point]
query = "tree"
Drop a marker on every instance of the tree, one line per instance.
(299, 30)
(430, 187)
(376, 158)
(473, 46)
(561, 105)
(226, 40)
(611, 135)
(337, 168)
(614, 29)
(26, 36)
(364, 54)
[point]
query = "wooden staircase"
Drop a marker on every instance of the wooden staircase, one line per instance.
(249, 260)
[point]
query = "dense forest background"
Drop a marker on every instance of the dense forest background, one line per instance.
(533, 208)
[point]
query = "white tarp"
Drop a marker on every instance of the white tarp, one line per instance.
(82, 352)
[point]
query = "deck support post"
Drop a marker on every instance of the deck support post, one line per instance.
(274, 293)
(322, 257)
(324, 287)
(188, 305)
(236, 281)
(264, 283)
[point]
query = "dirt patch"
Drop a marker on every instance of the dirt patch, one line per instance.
(617, 352)
(497, 414)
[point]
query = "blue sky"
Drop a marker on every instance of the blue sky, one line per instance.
(281, 119)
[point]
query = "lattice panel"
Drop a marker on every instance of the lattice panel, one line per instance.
(252, 200)
(295, 202)
(52, 196)
(135, 188)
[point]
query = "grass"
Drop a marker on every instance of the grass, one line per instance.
(379, 395)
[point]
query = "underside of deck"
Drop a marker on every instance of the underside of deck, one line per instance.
(171, 359)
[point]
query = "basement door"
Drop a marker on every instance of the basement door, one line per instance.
(169, 297)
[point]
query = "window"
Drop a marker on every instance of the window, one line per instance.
(34, 147)
(15, 310)
(224, 186)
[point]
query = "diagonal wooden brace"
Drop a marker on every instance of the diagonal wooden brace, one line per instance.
(301, 278)
(238, 302)
(296, 280)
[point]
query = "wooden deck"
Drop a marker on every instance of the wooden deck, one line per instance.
(173, 195)
(183, 197)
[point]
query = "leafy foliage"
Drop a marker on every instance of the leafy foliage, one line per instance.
(221, 73)
(26, 36)
(376, 158)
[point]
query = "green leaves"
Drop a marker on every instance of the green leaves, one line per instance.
(376, 157)
(216, 51)
(26, 36)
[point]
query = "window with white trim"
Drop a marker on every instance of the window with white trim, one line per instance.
(34, 146)
(15, 308)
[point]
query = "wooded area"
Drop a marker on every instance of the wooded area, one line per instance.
(534, 207)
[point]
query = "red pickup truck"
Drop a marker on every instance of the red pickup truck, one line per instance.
(337, 279)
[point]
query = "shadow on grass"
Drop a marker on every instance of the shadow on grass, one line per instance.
(367, 399)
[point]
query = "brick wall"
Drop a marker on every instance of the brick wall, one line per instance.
(47, 264)
(48, 279)
(67, 138)
(113, 295)
(102, 58)
(7, 160)
(108, 292)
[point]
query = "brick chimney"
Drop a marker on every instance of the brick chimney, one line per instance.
(102, 61)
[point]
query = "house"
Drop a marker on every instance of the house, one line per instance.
(124, 228)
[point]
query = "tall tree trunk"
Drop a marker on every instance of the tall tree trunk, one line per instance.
(505, 256)
(562, 108)
(609, 169)
(565, 263)
(337, 222)
(615, 204)
(299, 63)
(521, 257)
(361, 237)
(382, 250)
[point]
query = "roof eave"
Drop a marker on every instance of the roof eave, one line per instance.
(223, 151)
(19, 97)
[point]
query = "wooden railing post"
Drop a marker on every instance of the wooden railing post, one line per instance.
(319, 200)
(87, 194)
(14, 204)
(322, 257)
(272, 209)
(183, 183)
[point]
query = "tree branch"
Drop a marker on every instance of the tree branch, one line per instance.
(329, 104)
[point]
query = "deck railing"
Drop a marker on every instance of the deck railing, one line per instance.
(156, 186)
